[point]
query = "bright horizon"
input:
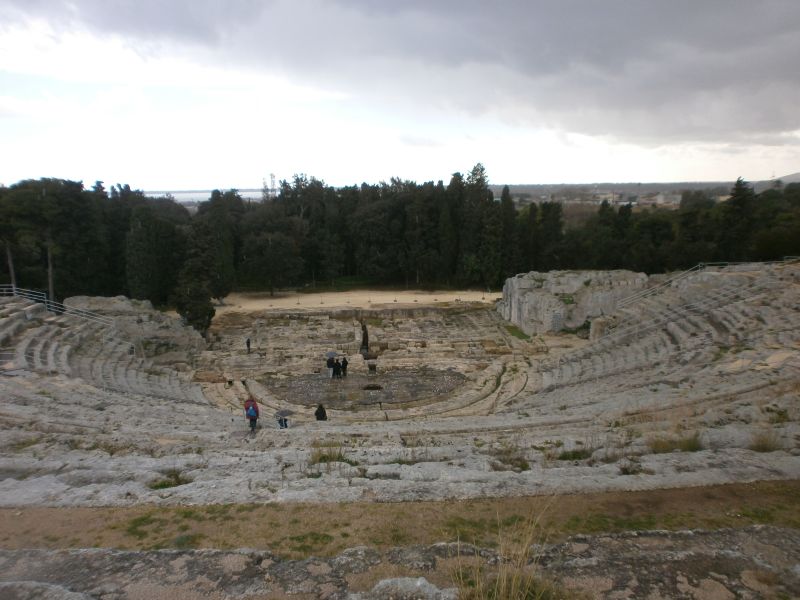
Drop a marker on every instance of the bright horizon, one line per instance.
(202, 96)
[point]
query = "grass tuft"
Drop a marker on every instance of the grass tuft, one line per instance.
(515, 577)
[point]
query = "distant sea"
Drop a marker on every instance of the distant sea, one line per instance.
(194, 196)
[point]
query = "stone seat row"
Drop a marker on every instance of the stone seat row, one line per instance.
(78, 348)
(718, 318)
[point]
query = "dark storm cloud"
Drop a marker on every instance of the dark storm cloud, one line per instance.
(646, 70)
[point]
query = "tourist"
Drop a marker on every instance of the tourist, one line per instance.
(251, 413)
(344, 366)
(320, 413)
(247, 343)
(330, 367)
(337, 369)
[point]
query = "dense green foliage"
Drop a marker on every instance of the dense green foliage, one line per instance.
(58, 235)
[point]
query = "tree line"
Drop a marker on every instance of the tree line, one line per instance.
(69, 240)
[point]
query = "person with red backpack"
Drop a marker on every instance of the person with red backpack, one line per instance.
(251, 413)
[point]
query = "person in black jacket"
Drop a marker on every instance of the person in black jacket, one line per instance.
(329, 364)
(320, 413)
(344, 366)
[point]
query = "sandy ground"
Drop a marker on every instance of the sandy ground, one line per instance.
(247, 302)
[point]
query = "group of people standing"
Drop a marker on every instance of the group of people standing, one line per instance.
(336, 369)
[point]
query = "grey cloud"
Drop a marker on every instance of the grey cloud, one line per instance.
(644, 71)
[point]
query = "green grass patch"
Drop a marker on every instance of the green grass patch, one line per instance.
(517, 332)
(602, 523)
(190, 514)
(759, 515)
(475, 531)
(310, 542)
(136, 526)
(219, 512)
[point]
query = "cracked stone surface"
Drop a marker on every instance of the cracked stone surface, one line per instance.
(754, 562)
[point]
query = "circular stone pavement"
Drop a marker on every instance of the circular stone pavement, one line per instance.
(391, 388)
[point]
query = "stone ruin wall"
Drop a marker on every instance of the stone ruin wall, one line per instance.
(549, 302)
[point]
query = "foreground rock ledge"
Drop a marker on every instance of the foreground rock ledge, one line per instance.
(753, 562)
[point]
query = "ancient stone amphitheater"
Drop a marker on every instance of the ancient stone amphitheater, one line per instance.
(572, 383)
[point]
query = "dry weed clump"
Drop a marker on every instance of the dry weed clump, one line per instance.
(514, 576)
(765, 441)
(661, 445)
(329, 453)
(172, 478)
(509, 458)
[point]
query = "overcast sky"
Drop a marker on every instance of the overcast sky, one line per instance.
(200, 94)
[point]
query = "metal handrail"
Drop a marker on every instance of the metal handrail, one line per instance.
(697, 268)
(34, 295)
(654, 290)
(62, 309)
(58, 308)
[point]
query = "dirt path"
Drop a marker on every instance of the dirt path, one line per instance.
(298, 530)
(251, 302)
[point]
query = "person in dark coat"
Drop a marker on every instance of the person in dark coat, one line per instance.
(329, 364)
(320, 413)
(247, 343)
(337, 369)
(251, 413)
(344, 366)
